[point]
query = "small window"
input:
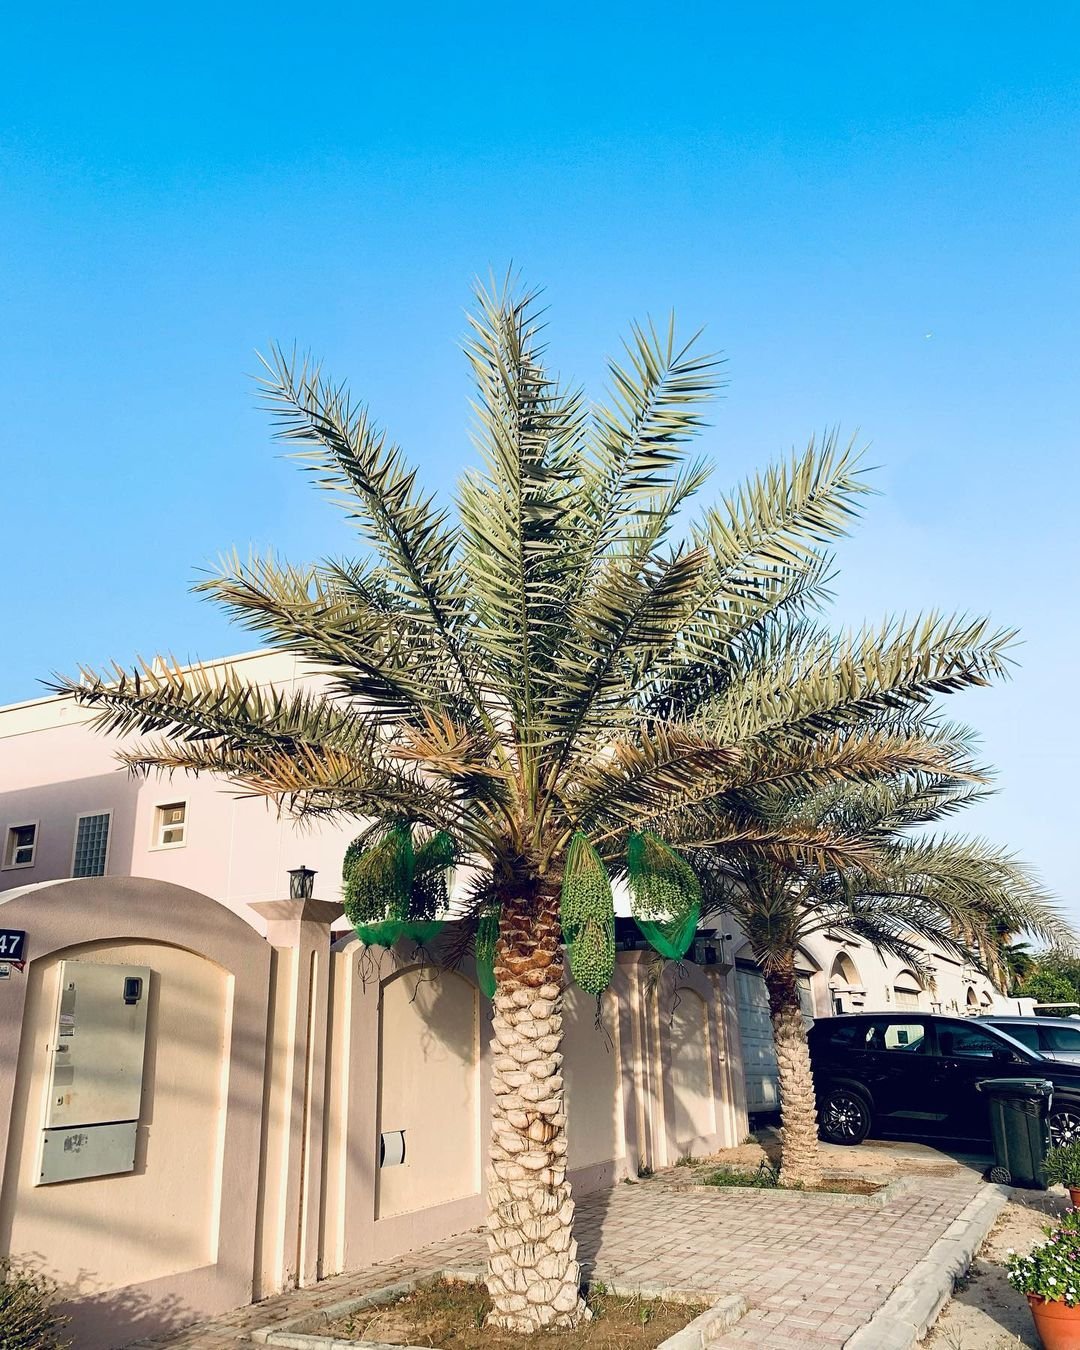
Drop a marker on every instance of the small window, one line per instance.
(20, 846)
(91, 845)
(170, 823)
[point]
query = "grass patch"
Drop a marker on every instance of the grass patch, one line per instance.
(451, 1316)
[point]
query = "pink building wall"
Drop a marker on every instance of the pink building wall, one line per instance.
(54, 767)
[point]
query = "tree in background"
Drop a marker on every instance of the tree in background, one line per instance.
(1049, 986)
(1053, 977)
(1018, 962)
(567, 682)
(918, 892)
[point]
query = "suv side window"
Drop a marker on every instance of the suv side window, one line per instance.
(894, 1034)
(967, 1043)
(846, 1035)
(1062, 1038)
(1028, 1036)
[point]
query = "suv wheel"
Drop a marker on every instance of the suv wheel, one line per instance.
(845, 1116)
(1064, 1124)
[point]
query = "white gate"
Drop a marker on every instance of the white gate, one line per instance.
(756, 1038)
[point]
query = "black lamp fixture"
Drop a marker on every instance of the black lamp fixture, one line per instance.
(301, 883)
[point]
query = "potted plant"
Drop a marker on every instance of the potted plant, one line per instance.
(1062, 1168)
(1050, 1278)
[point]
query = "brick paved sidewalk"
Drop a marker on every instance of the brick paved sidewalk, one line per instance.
(813, 1270)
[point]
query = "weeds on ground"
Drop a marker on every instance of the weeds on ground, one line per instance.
(766, 1178)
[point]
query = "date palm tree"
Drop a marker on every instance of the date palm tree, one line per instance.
(1017, 959)
(918, 892)
(557, 656)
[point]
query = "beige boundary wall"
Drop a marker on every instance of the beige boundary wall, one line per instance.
(273, 1068)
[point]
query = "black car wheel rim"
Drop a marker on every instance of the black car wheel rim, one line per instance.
(844, 1116)
(1065, 1126)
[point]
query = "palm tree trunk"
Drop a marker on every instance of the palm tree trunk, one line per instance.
(801, 1158)
(533, 1275)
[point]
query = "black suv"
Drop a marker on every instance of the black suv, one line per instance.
(907, 1073)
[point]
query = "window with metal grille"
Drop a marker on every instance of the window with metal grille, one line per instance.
(91, 845)
(20, 846)
(170, 823)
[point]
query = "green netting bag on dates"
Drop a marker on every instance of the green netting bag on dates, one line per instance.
(391, 891)
(665, 895)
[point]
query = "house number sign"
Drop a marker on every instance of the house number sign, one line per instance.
(12, 948)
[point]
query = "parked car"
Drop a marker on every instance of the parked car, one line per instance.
(1053, 1037)
(914, 1074)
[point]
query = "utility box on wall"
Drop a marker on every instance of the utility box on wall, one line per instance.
(95, 1072)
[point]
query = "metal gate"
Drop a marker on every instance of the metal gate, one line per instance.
(756, 1038)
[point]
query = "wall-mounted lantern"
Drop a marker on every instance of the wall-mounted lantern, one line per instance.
(301, 883)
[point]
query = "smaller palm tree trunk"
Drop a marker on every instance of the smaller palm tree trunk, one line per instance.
(533, 1275)
(801, 1159)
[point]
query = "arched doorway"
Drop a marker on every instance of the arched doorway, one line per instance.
(907, 990)
(846, 990)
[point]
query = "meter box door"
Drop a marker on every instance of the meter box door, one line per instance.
(95, 1072)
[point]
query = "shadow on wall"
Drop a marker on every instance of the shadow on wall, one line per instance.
(119, 1316)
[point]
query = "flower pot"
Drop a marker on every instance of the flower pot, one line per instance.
(1074, 1196)
(1058, 1325)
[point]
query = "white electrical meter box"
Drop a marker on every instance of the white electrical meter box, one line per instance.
(95, 1072)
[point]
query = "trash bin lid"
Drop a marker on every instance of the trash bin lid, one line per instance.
(1017, 1087)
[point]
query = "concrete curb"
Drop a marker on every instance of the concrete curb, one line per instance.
(302, 1332)
(709, 1325)
(913, 1306)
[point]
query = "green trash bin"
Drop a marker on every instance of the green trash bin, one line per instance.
(1019, 1108)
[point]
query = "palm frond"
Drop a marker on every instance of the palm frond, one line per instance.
(212, 702)
(337, 620)
(780, 518)
(353, 459)
(529, 433)
(978, 885)
(821, 684)
(657, 401)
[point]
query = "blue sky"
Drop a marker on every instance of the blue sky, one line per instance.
(875, 213)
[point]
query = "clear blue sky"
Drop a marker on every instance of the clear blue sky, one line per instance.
(874, 210)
